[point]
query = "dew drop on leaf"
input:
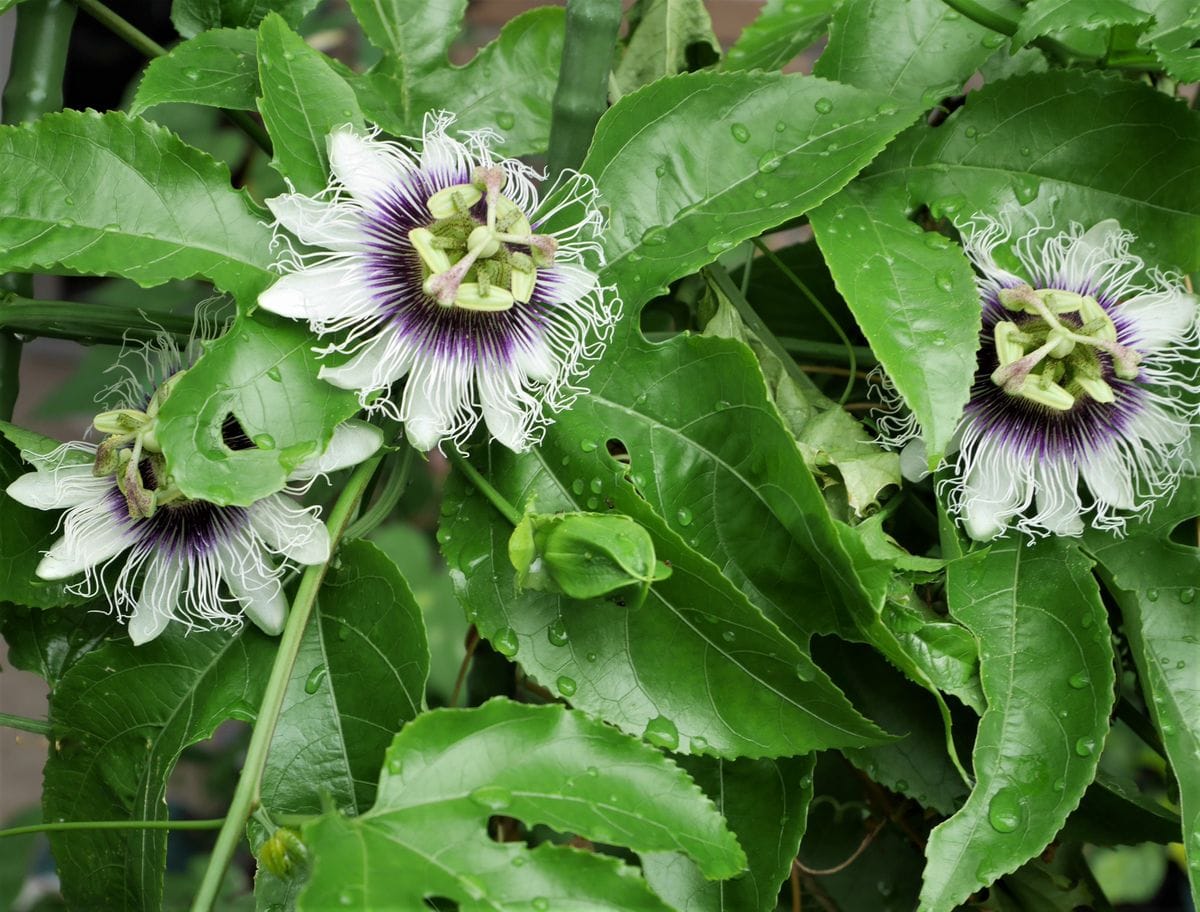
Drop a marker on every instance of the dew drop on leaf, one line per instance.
(1085, 746)
(1152, 595)
(740, 132)
(315, 678)
(394, 766)
(591, 657)
(719, 244)
(596, 486)
(823, 106)
(654, 236)
(274, 373)
(944, 281)
(1187, 596)
(760, 193)
(728, 636)
(505, 120)
(993, 40)
(491, 797)
(566, 686)
(264, 442)
(506, 642)
(577, 486)
(556, 633)
(541, 903)
(971, 132)
(1005, 810)
(593, 503)
(770, 161)
(587, 445)
(661, 732)
(1079, 680)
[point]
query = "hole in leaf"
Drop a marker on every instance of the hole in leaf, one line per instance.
(1187, 532)
(617, 450)
(440, 903)
(233, 435)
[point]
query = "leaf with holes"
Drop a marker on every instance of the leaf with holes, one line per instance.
(666, 37)
(449, 771)
(263, 373)
(124, 714)
(1046, 665)
(106, 194)
(215, 68)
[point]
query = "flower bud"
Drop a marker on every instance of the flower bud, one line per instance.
(584, 555)
(284, 853)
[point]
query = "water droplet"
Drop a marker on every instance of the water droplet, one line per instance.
(192, 75)
(699, 744)
(992, 40)
(593, 772)
(315, 677)
(1181, 664)
(654, 236)
(591, 656)
(394, 766)
(740, 132)
(804, 671)
(596, 486)
(1187, 596)
(885, 888)
(971, 132)
(1152, 595)
(661, 732)
(1026, 190)
(823, 106)
(519, 861)
(67, 223)
(1060, 784)
(719, 245)
(886, 109)
(944, 281)
(556, 633)
(274, 373)
(593, 503)
(1085, 746)
(264, 441)
(541, 903)
(566, 686)
(1005, 810)
(1026, 151)
(288, 55)
(345, 899)
(728, 636)
(770, 161)
(491, 797)
(1079, 680)
(901, 785)
(1191, 638)
(760, 193)
(505, 641)
(577, 486)
(505, 120)
(780, 126)
(684, 516)
(935, 241)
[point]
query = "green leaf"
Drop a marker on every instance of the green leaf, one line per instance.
(215, 68)
(106, 194)
(781, 31)
(303, 100)
(766, 805)
(909, 291)
(507, 87)
(683, 202)
(1114, 812)
(359, 677)
(1173, 36)
(194, 16)
(919, 51)
(1130, 874)
(666, 37)
(264, 373)
(124, 714)
(1062, 147)
(450, 770)
(731, 683)
(49, 643)
(1154, 580)
(1045, 16)
(1046, 665)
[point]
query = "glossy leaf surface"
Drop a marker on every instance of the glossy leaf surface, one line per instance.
(215, 68)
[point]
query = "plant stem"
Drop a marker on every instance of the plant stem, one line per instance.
(34, 86)
(396, 468)
(498, 500)
(113, 825)
(86, 323)
(23, 723)
(136, 38)
(582, 93)
(246, 796)
(828, 351)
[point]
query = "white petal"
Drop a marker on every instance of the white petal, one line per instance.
(377, 365)
(320, 294)
(89, 538)
(914, 461)
(290, 529)
(1083, 256)
(507, 409)
(351, 443)
(1110, 481)
(366, 167)
(995, 488)
(1160, 318)
(1058, 504)
(437, 402)
(158, 600)
(446, 160)
(567, 283)
(254, 583)
(318, 223)
(536, 361)
(54, 489)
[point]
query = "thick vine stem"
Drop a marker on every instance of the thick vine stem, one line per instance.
(582, 93)
(498, 500)
(246, 796)
(24, 723)
(34, 86)
(85, 323)
(67, 825)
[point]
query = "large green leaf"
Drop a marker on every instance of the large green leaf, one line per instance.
(918, 51)
(123, 715)
(107, 194)
(1045, 16)
(507, 87)
(264, 373)
(450, 770)
(910, 291)
(730, 683)
(1046, 665)
(49, 643)
(677, 203)
(666, 37)
(194, 16)
(782, 29)
(1063, 147)
(303, 99)
(215, 68)
(1154, 579)
(359, 676)
(765, 803)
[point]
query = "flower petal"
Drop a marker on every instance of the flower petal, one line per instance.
(366, 167)
(1058, 504)
(254, 583)
(1160, 318)
(351, 443)
(996, 488)
(564, 283)
(377, 365)
(290, 530)
(1084, 257)
(318, 223)
(158, 600)
(1109, 480)
(508, 410)
(53, 489)
(321, 294)
(92, 534)
(437, 402)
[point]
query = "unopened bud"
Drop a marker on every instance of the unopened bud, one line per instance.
(284, 854)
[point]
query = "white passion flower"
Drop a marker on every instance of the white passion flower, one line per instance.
(176, 559)
(1077, 415)
(447, 266)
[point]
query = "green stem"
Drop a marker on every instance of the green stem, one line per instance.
(498, 500)
(86, 323)
(113, 825)
(851, 356)
(582, 93)
(136, 38)
(246, 796)
(34, 87)
(23, 723)
(828, 351)
(397, 467)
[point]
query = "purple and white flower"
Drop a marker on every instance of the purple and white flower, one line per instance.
(176, 558)
(447, 267)
(1077, 415)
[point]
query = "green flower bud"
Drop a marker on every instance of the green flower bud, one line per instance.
(284, 853)
(584, 555)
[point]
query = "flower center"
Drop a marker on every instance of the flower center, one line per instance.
(470, 263)
(1051, 354)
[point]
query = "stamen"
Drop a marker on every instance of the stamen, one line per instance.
(423, 242)
(451, 201)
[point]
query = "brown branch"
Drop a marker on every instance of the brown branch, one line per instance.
(472, 642)
(862, 847)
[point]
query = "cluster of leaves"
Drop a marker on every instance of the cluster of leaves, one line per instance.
(940, 714)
